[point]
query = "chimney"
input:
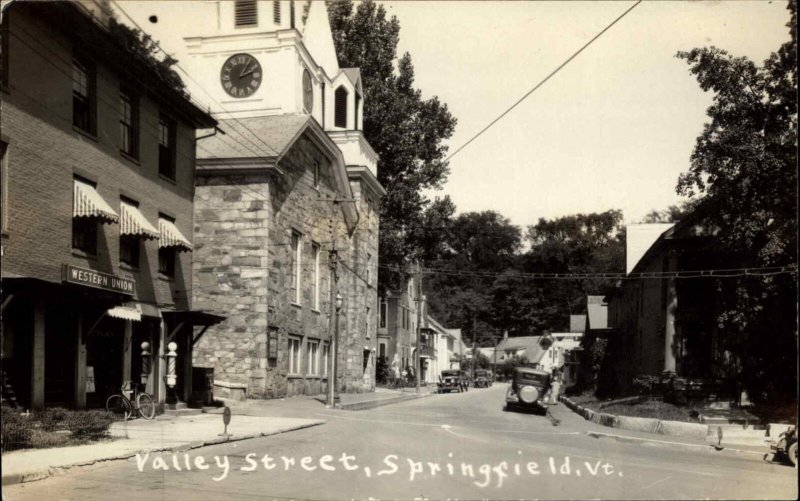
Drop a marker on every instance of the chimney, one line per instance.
(505, 334)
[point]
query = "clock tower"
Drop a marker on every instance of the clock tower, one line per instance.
(287, 182)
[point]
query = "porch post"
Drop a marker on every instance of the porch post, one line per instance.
(80, 365)
(669, 315)
(37, 351)
(127, 352)
(159, 372)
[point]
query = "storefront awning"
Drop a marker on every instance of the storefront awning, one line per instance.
(170, 236)
(133, 223)
(130, 311)
(88, 203)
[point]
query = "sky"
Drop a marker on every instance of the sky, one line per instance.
(612, 130)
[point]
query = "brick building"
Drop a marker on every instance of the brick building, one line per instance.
(97, 193)
(291, 179)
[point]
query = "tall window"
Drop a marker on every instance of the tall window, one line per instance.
(322, 100)
(246, 12)
(297, 268)
(355, 111)
(340, 111)
(312, 352)
(166, 261)
(3, 186)
(291, 14)
(315, 283)
(368, 334)
(83, 96)
(166, 147)
(129, 124)
(326, 358)
(316, 174)
(369, 267)
(84, 234)
(294, 355)
(384, 313)
(276, 12)
(382, 350)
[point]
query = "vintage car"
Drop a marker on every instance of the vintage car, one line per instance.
(528, 390)
(483, 379)
(450, 380)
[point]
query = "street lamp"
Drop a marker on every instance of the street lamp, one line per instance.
(338, 304)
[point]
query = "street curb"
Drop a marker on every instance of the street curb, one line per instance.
(19, 478)
(371, 404)
(708, 448)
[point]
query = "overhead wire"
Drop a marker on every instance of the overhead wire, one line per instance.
(542, 82)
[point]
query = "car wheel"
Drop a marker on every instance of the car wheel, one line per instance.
(792, 453)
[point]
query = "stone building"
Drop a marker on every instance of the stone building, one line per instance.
(97, 156)
(285, 180)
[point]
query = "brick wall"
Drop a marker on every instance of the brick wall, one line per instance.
(45, 152)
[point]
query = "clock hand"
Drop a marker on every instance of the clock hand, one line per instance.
(245, 74)
(244, 70)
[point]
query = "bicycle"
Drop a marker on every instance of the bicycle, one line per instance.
(119, 404)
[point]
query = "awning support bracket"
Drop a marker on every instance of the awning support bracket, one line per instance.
(6, 302)
(96, 323)
(174, 332)
(197, 337)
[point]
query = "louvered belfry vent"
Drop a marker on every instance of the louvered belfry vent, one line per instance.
(340, 111)
(246, 13)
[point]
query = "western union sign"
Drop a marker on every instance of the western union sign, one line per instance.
(96, 279)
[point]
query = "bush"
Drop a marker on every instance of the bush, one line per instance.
(53, 427)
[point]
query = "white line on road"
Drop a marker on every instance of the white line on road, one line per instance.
(656, 482)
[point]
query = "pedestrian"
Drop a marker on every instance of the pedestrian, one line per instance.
(555, 385)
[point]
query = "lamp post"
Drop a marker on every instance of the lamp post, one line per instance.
(336, 350)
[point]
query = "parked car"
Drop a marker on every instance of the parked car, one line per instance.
(786, 447)
(528, 389)
(483, 379)
(450, 380)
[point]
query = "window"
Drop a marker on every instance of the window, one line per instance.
(84, 234)
(297, 269)
(326, 358)
(129, 124)
(384, 313)
(382, 350)
(246, 12)
(315, 284)
(276, 12)
(355, 111)
(312, 354)
(83, 96)
(316, 174)
(322, 101)
(166, 147)
(294, 355)
(369, 266)
(3, 186)
(340, 110)
(291, 14)
(368, 335)
(129, 250)
(166, 261)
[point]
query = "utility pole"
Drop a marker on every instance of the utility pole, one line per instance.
(333, 318)
(419, 326)
(474, 359)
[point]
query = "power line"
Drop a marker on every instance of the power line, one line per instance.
(587, 44)
(767, 271)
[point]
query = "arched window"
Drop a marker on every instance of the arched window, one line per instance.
(340, 113)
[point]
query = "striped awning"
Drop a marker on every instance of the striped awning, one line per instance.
(133, 222)
(88, 203)
(171, 236)
(130, 311)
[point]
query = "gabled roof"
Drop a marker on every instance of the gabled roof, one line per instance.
(261, 143)
(530, 344)
(354, 74)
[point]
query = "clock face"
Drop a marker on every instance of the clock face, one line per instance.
(308, 92)
(241, 75)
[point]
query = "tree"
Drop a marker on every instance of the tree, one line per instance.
(673, 213)
(745, 162)
(405, 130)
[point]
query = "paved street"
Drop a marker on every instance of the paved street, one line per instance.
(457, 446)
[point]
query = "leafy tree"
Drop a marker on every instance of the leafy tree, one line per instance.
(745, 163)
(672, 213)
(404, 129)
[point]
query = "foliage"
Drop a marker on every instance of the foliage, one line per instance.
(53, 427)
(405, 130)
(745, 163)
(506, 371)
(672, 213)
(645, 383)
(142, 46)
(597, 353)
(383, 372)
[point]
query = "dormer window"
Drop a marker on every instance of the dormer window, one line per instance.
(340, 113)
(246, 13)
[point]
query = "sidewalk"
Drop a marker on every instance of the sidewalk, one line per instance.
(380, 397)
(695, 443)
(139, 436)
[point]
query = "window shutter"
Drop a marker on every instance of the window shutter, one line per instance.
(340, 113)
(276, 12)
(246, 13)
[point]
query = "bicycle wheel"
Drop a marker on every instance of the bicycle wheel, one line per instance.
(147, 409)
(119, 406)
